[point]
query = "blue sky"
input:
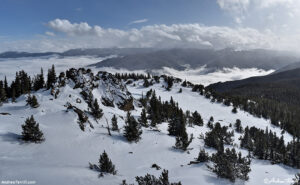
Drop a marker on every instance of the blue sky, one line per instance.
(63, 24)
(23, 18)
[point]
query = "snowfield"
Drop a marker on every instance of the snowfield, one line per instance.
(64, 156)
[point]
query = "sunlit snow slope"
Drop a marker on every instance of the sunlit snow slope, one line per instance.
(64, 156)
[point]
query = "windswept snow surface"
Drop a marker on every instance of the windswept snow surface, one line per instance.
(64, 156)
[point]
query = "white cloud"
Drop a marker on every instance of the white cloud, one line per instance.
(65, 26)
(234, 6)
(138, 21)
(83, 35)
(49, 33)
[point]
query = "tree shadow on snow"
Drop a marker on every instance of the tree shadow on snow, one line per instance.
(11, 137)
(219, 181)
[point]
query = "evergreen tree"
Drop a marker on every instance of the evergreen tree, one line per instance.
(184, 84)
(32, 101)
(132, 130)
(146, 83)
(234, 110)
(197, 119)
(143, 119)
(13, 95)
(6, 88)
(39, 81)
(210, 122)
(152, 180)
(31, 131)
(51, 77)
(218, 136)
(203, 156)
(246, 141)
(238, 126)
(229, 165)
(182, 140)
(105, 164)
(97, 112)
(114, 123)
(3, 96)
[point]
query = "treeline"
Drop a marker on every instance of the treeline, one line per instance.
(23, 84)
(266, 145)
(264, 103)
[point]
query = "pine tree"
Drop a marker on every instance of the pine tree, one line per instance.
(39, 81)
(182, 140)
(164, 177)
(132, 130)
(3, 96)
(97, 112)
(105, 164)
(32, 101)
(31, 131)
(114, 123)
(143, 119)
(238, 126)
(210, 122)
(146, 83)
(13, 95)
(229, 165)
(51, 77)
(152, 180)
(234, 110)
(203, 156)
(6, 88)
(197, 119)
(184, 84)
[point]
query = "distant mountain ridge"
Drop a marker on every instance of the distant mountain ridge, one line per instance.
(194, 58)
(13, 54)
(177, 58)
(290, 78)
(99, 52)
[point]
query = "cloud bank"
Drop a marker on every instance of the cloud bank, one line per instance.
(267, 24)
(67, 35)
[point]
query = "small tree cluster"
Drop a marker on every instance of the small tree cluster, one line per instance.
(32, 101)
(152, 180)
(230, 165)
(38, 81)
(203, 156)
(264, 144)
(218, 136)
